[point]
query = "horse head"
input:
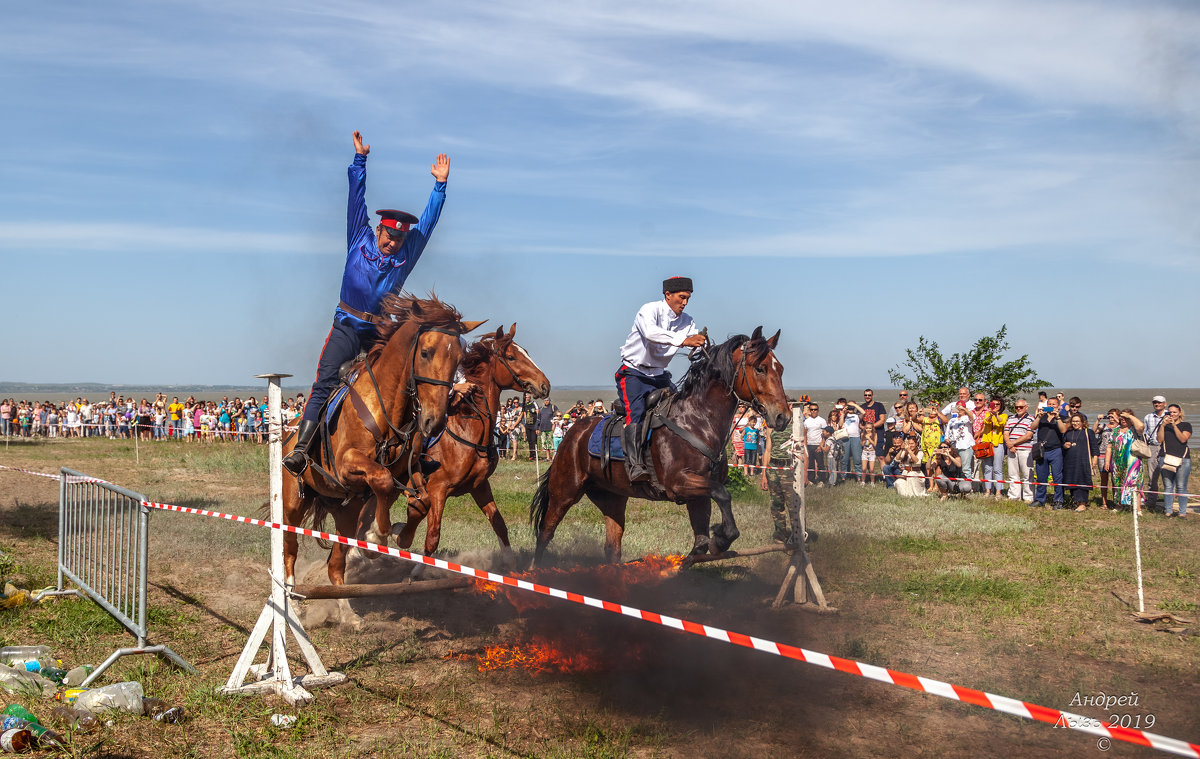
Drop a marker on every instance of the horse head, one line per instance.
(759, 379)
(516, 369)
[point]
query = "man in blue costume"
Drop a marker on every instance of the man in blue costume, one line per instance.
(377, 263)
(659, 330)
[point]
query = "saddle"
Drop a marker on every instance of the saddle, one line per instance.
(606, 442)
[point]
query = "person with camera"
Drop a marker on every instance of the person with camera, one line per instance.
(1080, 446)
(1153, 424)
(1176, 464)
(958, 418)
(946, 469)
(909, 458)
(892, 445)
(1127, 469)
(1049, 428)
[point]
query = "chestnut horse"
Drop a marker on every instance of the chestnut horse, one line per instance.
(690, 471)
(465, 450)
(397, 401)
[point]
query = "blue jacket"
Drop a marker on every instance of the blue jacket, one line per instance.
(369, 274)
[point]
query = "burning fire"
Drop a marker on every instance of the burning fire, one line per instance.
(577, 650)
(608, 581)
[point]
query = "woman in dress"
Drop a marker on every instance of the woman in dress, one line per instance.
(912, 481)
(931, 431)
(1127, 469)
(1079, 459)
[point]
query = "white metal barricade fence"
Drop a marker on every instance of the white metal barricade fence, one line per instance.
(103, 550)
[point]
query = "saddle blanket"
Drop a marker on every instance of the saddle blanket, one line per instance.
(616, 452)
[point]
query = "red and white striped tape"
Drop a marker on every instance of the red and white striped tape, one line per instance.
(953, 692)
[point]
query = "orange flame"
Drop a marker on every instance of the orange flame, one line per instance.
(608, 581)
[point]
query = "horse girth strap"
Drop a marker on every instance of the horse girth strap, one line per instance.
(478, 447)
(658, 420)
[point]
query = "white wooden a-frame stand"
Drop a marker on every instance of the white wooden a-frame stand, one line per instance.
(278, 616)
(801, 577)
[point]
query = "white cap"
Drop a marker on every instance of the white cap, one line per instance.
(1158, 399)
(891, 420)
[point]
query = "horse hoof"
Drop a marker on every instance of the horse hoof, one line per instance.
(372, 536)
(398, 527)
(418, 571)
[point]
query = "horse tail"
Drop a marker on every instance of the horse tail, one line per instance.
(320, 511)
(541, 502)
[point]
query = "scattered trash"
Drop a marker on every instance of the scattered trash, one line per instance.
(122, 697)
(74, 719)
(25, 682)
(14, 597)
(283, 720)
(17, 717)
(10, 654)
(157, 709)
(75, 677)
(69, 695)
(16, 741)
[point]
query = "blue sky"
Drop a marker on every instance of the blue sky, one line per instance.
(172, 199)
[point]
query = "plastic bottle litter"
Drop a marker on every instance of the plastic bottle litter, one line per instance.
(42, 736)
(75, 677)
(74, 719)
(16, 741)
(158, 709)
(123, 697)
(56, 674)
(283, 720)
(38, 664)
(24, 682)
(9, 654)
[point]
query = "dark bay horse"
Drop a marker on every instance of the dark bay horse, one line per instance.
(741, 368)
(465, 450)
(398, 400)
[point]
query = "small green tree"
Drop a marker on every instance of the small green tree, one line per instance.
(930, 376)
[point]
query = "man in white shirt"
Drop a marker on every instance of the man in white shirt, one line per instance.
(814, 423)
(659, 330)
(1153, 465)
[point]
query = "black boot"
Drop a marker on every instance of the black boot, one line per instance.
(297, 461)
(633, 454)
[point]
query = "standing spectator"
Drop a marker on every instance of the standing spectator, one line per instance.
(830, 450)
(1152, 422)
(909, 423)
(175, 412)
(561, 425)
(873, 414)
(6, 415)
(529, 412)
(1050, 429)
(870, 443)
(736, 437)
(515, 428)
(1079, 459)
(931, 431)
(976, 470)
(750, 444)
(992, 432)
(1174, 434)
(1105, 425)
(1018, 442)
(814, 424)
(1128, 470)
(851, 459)
(545, 427)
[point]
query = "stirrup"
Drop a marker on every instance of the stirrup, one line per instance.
(304, 461)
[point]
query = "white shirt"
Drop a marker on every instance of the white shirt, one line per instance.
(812, 429)
(850, 423)
(654, 338)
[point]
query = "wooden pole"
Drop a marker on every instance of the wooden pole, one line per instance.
(801, 576)
(379, 589)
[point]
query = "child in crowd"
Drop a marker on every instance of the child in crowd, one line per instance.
(869, 436)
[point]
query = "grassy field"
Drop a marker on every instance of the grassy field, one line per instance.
(1027, 603)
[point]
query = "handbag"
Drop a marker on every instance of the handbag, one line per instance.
(1171, 463)
(842, 434)
(1037, 452)
(984, 450)
(1140, 449)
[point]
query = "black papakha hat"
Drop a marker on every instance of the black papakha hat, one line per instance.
(396, 222)
(677, 284)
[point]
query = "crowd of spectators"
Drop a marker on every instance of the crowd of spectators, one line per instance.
(1049, 454)
(119, 417)
(523, 422)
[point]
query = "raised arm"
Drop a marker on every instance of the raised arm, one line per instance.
(356, 204)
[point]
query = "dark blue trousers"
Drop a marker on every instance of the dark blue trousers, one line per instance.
(632, 389)
(342, 345)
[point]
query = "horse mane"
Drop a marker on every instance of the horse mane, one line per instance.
(398, 308)
(715, 363)
(477, 355)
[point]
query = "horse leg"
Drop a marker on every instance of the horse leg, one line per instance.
(726, 532)
(562, 491)
(612, 506)
(294, 509)
(699, 512)
(346, 520)
(380, 481)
